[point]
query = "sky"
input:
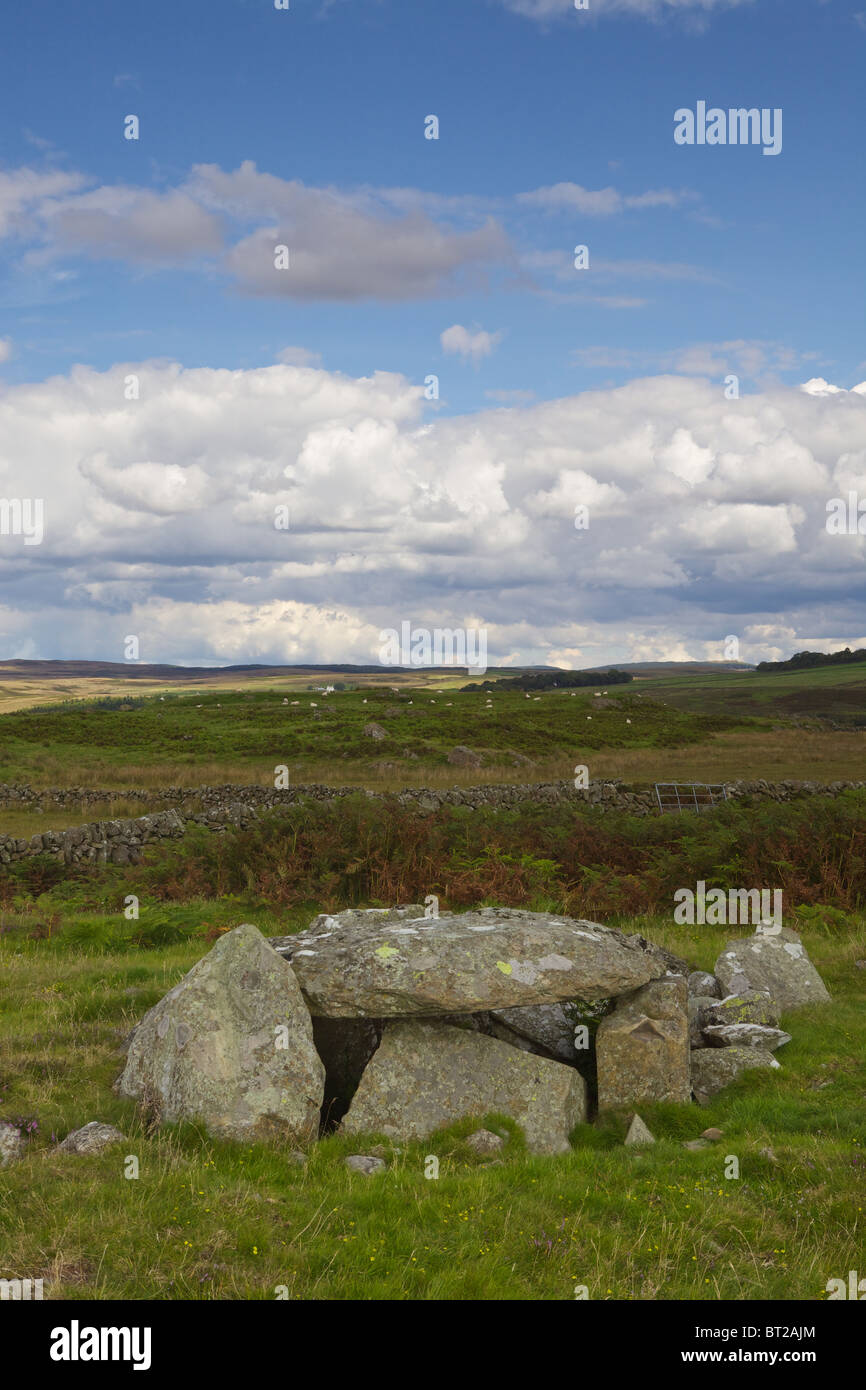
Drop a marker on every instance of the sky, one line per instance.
(620, 453)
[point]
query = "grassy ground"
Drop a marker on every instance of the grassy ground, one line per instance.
(207, 1220)
(704, 727)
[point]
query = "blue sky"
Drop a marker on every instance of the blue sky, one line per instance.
(556, 129)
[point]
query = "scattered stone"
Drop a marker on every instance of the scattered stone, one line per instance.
(745, 1035)
(484, 1141)
(12, 1143)
(377, 965)
(298, 1158)
(860, 964)
(701, 982)
(695, 1144)
(231, 1045)
(550, 1026)
(754, 1006)
(700, 1010)
(365, 1163)
(714, 1135)
(768, 1154)
(642, 1048)
(91, 1139)
(374, 731)
(427, 1075)
(461, 756)
(713, 1068)
(778, 964)
(638, 1134)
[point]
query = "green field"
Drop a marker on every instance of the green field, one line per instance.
(805, 725)
(209, 1220)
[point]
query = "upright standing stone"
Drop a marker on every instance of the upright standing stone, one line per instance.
(778, 964)
(231, 1045)
(642, 1048)
(427, 1075)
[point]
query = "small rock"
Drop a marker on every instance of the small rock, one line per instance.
(365, 1163)
(12, 1143)
(700, 1009)
(753, 1006)
(860, 964)
(712, 1134)
(768, 1154)
(638, 1134)
(745, 1035)
(695, 1144)
(461, 756)
(483, 1141)
(703, 982)
(298, 1158)
(713, 1068)
(374, 731)
(91, 1139)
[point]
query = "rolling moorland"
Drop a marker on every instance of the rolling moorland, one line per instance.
(212, 1220)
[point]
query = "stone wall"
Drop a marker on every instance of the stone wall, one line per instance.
(121, 841)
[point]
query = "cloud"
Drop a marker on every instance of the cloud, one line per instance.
(514, 396)
(707, 517)
(601, 202)
(5, 349)
(546, 10)
(343, 245)
(164, 489)
(283, 239)
(299, 357)
(751, 358)
(24, 192)
(817, 386)
(134, 224)
(468, 344)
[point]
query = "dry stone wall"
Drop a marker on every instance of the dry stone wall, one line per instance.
(216, 807)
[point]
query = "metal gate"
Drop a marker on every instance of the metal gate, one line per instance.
(689, 796)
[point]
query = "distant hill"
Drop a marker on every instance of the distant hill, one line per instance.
(134, 670)
(806, 661)
(19, 669)
(61, 670)
(677, 668)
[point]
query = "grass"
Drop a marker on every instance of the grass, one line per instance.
(694, 726)
(83, 741)
(314, 856)
(209, 1220)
